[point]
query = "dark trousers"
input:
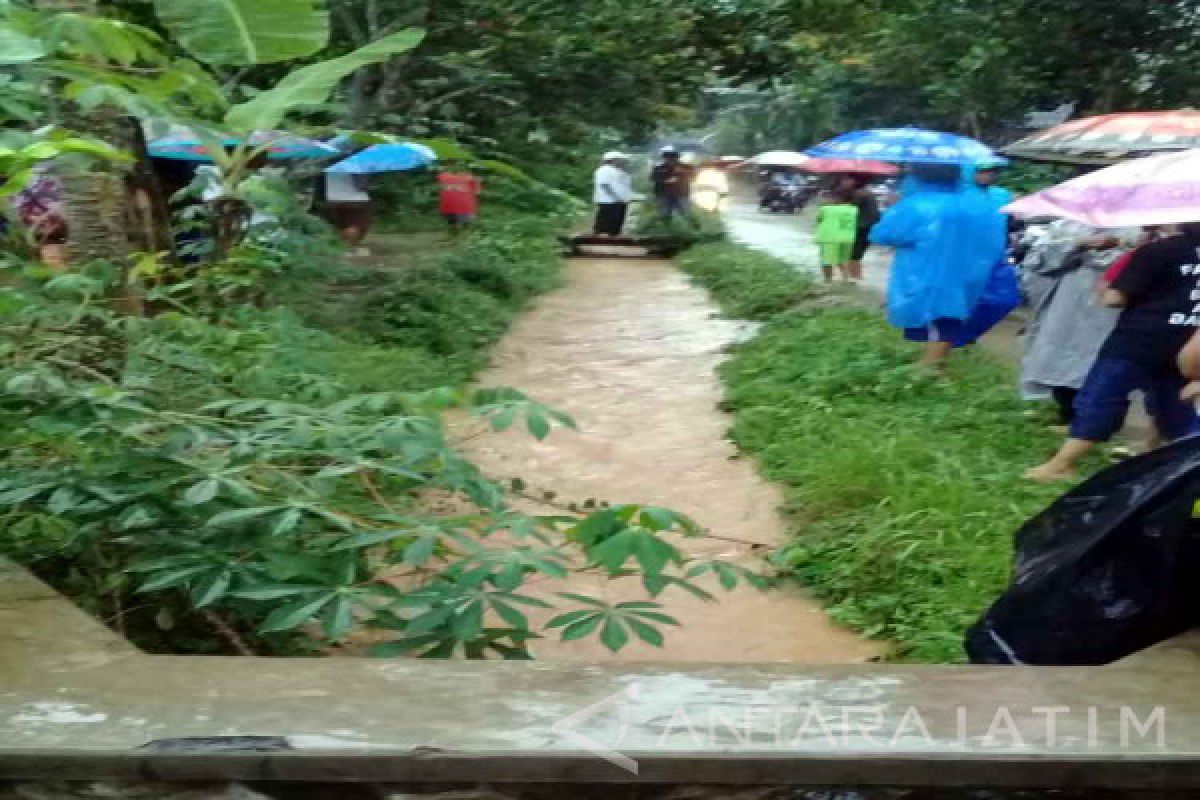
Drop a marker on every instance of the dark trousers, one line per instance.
(674, 204)
(1064, 397)
(610, 218)
(1103, 401)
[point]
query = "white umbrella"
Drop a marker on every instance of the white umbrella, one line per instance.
(780, 158)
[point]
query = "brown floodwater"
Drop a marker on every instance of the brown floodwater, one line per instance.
(628, 348)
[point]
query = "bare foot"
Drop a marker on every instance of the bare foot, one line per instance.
(1049, 472)
(933, 366)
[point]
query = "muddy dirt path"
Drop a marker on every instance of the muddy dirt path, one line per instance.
(628, 348)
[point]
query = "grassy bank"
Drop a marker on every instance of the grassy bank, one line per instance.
(905, 490)
(451, 304)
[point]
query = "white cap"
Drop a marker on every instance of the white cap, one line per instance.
(614, 155)
(668, 149)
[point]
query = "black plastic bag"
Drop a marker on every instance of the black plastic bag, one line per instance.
(1109, 569)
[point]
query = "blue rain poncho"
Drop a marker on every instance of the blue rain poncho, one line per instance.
(999, 196)
(948, 238)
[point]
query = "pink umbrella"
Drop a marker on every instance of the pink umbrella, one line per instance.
(1159, 190)
(857, 166)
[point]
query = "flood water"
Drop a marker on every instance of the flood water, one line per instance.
(628, 348)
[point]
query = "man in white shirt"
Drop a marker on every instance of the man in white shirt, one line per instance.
(613, 191)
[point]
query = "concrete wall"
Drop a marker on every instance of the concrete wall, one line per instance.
(78, 703)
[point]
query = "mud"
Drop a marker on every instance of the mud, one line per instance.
(628, 348)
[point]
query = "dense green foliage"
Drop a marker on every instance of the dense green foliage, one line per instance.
(253, 476)
(237, 444)
(975, 66)
(904, 489)
(453, 304)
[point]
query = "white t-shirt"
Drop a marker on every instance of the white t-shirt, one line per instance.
(613, 185)
(340, 188)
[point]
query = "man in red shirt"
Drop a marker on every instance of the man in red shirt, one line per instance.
(459, 196)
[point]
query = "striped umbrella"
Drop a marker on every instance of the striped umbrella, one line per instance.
(1111, 137)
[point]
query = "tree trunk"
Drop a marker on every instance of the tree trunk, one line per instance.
(95, 200)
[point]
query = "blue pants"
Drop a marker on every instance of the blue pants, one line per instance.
(1103, 402)
(943, 329)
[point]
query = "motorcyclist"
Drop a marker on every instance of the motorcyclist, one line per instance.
(783, 190)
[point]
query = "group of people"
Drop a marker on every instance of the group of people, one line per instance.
(673, 181)
(844, 223)
(345, 202)
(1113, 313)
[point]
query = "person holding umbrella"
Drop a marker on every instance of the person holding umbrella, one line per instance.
(1158, 291)
(612, 195)
(348, 208)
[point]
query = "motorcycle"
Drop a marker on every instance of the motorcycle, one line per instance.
(788, 198)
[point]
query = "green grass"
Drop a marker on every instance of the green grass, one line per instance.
(747, 284)
(904, 490)
(440, 305)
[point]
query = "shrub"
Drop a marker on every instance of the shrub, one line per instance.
(242, 480)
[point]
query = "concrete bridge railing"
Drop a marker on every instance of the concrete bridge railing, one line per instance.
(79, 703)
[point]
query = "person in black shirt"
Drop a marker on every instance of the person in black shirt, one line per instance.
(1160, 294)
(672, 180)
(868, 216)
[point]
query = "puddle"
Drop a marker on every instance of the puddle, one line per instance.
(628, 348)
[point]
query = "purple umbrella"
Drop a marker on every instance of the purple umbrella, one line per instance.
(1159, 190)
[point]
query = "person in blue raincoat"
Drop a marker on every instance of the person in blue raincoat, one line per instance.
(948, 237)
(986, 175)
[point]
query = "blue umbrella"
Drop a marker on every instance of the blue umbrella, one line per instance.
(905, 146)
(386, 158)
(183, 144)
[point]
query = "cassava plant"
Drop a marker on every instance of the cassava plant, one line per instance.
(163, 489)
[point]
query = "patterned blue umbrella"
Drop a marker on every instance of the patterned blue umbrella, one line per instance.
(905, 146)
(386, 158)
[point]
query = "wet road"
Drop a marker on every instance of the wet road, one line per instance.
(629, 348)
(790, 237)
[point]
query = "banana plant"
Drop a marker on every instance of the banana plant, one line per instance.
(109, 63)
(17, 161)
